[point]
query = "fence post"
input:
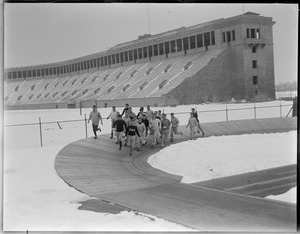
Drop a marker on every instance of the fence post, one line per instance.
(226, 113)
(254, 111)
(280, 110)
(80, 107)
(41, 137)
(86, 136)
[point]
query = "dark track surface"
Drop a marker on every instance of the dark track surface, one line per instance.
(99, 169)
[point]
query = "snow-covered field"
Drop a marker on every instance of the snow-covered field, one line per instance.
(36, 199)
(215, 157)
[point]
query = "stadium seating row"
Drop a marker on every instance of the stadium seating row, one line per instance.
(147, 79)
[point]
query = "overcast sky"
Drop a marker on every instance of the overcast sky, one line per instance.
(41, 33)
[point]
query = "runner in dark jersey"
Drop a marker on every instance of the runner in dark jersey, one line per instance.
(131, 131)
(146, 122)
(125, 109)
(195, 115)
(120, 127)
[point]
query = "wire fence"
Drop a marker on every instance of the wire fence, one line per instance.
(79, 127)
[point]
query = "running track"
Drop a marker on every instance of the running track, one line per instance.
(120, 182)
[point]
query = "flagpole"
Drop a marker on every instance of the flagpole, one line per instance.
(148, 18)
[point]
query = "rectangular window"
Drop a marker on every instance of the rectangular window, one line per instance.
(161, 48)
(233, 35)
(150, 51)
(145, 52)
(192, 42)
(206, 39)
(46, 71)
(167, 47)
(50, 72)
(121, 57)
(254, 64)
(135, 54)
(29, 73)
(140, 53)
(15, 74)
(199, 41)
(253, 34)
(54, 70)
(117, 58)
(109, 59)
(257, 33)
(228, 36)
(224, 37)
(9, 75)
(24, 74)
(179, 44)
(113, 59)
(212, 35)
(105, 61)
(173, 47)
(38, 72)
(126, 56)
(98, 62)
(155, 48)
(248, 33)
(87, 65)
(130, 55)
(101, 62)
(255, 80)
(186, 43)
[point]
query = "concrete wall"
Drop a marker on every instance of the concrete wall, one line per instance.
(211, 84)
(134, 102)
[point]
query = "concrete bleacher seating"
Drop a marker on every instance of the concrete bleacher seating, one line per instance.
(140, 80)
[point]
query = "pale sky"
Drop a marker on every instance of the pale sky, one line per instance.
(41, 33)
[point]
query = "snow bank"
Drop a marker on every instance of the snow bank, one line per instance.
(215, 157)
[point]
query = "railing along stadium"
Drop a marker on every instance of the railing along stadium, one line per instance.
(226, 117)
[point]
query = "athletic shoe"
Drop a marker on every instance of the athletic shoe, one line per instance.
(199, 131)
(95, 137)
(125, 144)
(117, 142)
(171, 140)
(99, 129)
(181, 133)
(138, 149)
(130, 154)
(120, 145)
(202, 134)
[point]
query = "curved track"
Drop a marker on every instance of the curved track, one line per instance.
(99, 169)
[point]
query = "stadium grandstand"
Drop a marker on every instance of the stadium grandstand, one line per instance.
(216, 61)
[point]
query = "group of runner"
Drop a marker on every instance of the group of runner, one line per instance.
(134, 128)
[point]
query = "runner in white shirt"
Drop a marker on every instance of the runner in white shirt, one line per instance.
(114, 116)
(154, 126)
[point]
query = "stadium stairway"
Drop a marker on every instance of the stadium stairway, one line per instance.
(99, 169)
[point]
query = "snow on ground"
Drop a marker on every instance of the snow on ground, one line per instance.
(35, 198)
(215, 157)
(289, 196)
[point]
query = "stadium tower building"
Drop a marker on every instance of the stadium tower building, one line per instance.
(216, 61)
